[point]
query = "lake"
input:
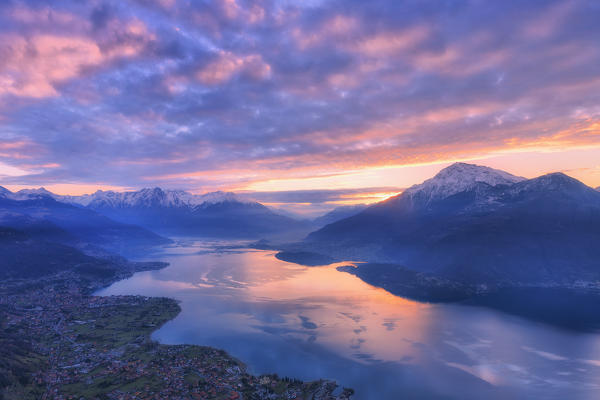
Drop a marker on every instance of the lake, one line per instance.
(317, 322)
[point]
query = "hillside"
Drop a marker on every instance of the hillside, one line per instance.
(179, 213)
(492, 228)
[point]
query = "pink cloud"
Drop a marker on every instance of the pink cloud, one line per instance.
(549, 21)
(386, 43)
(40, 16)
(19, 149)
(336, 27)
(232, 10)
(34, 65)
(227, 65)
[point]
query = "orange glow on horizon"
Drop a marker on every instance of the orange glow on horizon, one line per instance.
(69, 189)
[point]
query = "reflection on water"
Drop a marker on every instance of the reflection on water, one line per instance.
(317, 322)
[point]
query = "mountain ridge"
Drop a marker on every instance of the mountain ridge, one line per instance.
(43, 217)
(338, 213)
(180, 213)
(459, 177)
(530, 231)
(150, 197)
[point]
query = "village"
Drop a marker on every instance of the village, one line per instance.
(90, 347)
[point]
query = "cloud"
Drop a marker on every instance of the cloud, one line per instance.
(33, 67)
(52, 47)
(234, 93)
(226, 65)
(367, 195)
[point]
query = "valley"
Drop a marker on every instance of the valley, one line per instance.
(468, 245)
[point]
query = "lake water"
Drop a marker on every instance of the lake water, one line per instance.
(317, 322)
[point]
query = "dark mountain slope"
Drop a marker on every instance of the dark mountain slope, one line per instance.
(543, 231)
(46, 218)
(338, 214)
(24, 257)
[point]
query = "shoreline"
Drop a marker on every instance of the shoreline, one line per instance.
(89, 346)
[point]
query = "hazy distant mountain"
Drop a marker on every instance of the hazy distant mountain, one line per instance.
(150, 198)
(289, 214)
(42, 217)
(478, 225)
(37, 228)
(28, 194)
(26, 257)
(337, 214)
(176, 212)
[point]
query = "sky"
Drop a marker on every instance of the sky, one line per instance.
(303, 104)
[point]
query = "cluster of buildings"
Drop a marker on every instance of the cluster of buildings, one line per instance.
(100, 348)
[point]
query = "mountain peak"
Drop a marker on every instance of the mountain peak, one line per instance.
(220, 197)
(557, 176)
(153, 197)
(155, 190)
(478, 173)
(555, 181)
(41, 191)
(4, 191)
(459, 177)
(29, 194)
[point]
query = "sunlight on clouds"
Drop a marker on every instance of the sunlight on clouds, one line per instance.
(54, 59)
(8, 170)
(227, 65)
(35, 64)
(243, 95)
(582, 163)
(74, 189)
(402, 176)
(383, 44)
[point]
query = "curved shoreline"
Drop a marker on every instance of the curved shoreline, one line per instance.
(89, 346)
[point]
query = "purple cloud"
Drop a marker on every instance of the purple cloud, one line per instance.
(200, 94)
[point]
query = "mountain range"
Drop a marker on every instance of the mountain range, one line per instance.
(43, 218)
(173, 212)
(179, 213)
(469, 225)
(474, 225)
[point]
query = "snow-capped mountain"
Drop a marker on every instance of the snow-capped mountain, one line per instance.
(552, 183)
(149, 198)
(457, 178)
(36, 212)
(28, 194)
(479, 225)
(177, 212)
(218, 197)
(32, 194)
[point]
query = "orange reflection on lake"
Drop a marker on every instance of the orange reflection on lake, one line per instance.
(366, 320)
(318, 322)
